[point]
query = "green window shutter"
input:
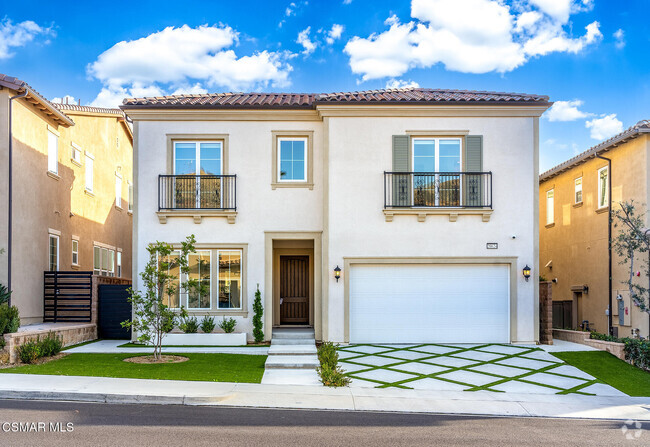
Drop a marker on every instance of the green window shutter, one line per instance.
(473, 184)
(401, 183)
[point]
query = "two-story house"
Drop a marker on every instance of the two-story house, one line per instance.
(392, 216)
(574, 210)
(71, 183)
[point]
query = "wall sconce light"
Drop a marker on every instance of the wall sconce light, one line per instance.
(526, 272)
(337, 273)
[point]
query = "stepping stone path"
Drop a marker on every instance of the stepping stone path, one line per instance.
(292, 358)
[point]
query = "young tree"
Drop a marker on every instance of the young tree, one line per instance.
(152, 318)
(258, 332)
(628, 243)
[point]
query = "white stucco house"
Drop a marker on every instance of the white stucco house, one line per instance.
(425, 199)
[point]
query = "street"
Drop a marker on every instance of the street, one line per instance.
(169, 425)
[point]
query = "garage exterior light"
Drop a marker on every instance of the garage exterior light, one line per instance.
(337, 273)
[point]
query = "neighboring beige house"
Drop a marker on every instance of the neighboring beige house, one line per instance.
(426, 200)
(574, 209)
(72, 188)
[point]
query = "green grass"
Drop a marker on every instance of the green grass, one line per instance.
(611, 370)
(240, 368)
(139, 345)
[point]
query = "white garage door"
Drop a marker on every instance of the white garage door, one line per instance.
(424, 303)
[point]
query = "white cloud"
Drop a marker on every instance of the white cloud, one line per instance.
(399, 83)
(20, 34)
(619, 35)
(347, 2)
(67, 99)
(334, 33)
(307, 44)
(604, 127)
(290, 10)
(566, 111)
(454, 33)
(175, 58)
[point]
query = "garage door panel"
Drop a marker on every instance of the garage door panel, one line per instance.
(429, 303)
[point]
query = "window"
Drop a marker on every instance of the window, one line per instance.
(578, 190)
(292, 159)
(103, 261)
(118, 191)
(197, 158)
(52, 152)
(603, 187)
(75, 154)
(53, 257)
(119, 264)
(229, 279)
(130, 197)
(435, 162)
(75, 252)
(171, 264)
(550, 218)
(200, 296)
(90, 162)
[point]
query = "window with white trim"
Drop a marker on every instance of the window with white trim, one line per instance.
(603, 187)
(171, 264)
(75, 252)
(130, 197)
(118, 190)
(103, 261)
(75, 153)
(119, 264)
(90, 172)
(53, 253)
(292, 159)
(230, 279)
(550, 217)
(578, 190)
(198, 158)
(52, 152)
(200, 296)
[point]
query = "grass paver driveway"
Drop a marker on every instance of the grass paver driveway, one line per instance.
(491, 367)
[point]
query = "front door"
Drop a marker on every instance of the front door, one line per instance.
(294, 289)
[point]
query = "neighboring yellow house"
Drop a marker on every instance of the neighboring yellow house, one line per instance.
(72, 177)
(574, 209)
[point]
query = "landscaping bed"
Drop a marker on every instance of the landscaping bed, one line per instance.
(200, 367)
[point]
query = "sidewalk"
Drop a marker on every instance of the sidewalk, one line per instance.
(110, 390)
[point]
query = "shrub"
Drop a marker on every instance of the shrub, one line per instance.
(3, 343)
(228, 325)
(604, 337)
(637, 352)
(332, 376)
(258, 333)
(4, 294)
(9, 319)
(50, 345)
(189, 325)
(207, 324)
(29, 352)
(327, 354)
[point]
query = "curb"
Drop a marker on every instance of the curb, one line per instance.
(112, 398)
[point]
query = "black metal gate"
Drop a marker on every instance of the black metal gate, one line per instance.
(114, 308)
(563, 314)
(67, 296)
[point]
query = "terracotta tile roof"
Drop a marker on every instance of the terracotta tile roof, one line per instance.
(36, 99)
(628, 134)
(87, 109)
(311, 100)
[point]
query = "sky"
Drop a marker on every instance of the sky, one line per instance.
(589, 56)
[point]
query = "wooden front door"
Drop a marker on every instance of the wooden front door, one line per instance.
(294, 289)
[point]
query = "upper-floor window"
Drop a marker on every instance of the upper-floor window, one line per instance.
(603, 187)
(550, 217)
(130, 197)
(90, 172)
(578, 190)
(52, 152)
(53, 253)
(436, 154)
(198, 158)
(118, 190)
(292, 159)
(75, 153)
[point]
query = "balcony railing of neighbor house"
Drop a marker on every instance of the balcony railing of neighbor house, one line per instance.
(197, 192)
(437, 190)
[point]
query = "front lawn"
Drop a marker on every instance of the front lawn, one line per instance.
(201, 367)
(611, 370)
(140, 345)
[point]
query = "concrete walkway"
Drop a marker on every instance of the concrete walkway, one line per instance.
(99, 389)
(112, 347)
(292, 358)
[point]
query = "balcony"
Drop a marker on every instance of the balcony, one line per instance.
(426, 193)
(197, 196)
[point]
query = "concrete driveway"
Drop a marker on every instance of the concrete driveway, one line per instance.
(449, 367)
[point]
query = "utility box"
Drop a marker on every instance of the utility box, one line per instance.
(623, 308)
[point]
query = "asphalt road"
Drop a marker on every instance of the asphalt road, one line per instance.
(171, 425)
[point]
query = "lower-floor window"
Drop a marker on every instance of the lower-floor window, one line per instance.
(229, 279)
(104, 261)
(119, 264)
(172, 266)
(75, 252)
(53, 257)
(199, 295)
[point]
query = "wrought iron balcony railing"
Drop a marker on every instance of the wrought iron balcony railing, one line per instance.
(438, 189)
(197, 192)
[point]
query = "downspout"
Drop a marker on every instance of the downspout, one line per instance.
(609, 240)
(10, 190)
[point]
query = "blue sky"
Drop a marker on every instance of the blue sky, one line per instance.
(588, 55)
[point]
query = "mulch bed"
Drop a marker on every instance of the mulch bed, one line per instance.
(148, 359)
(37, 362)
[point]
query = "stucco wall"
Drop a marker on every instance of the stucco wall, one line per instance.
(4, 181)
(577, 242)
(42, 202)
